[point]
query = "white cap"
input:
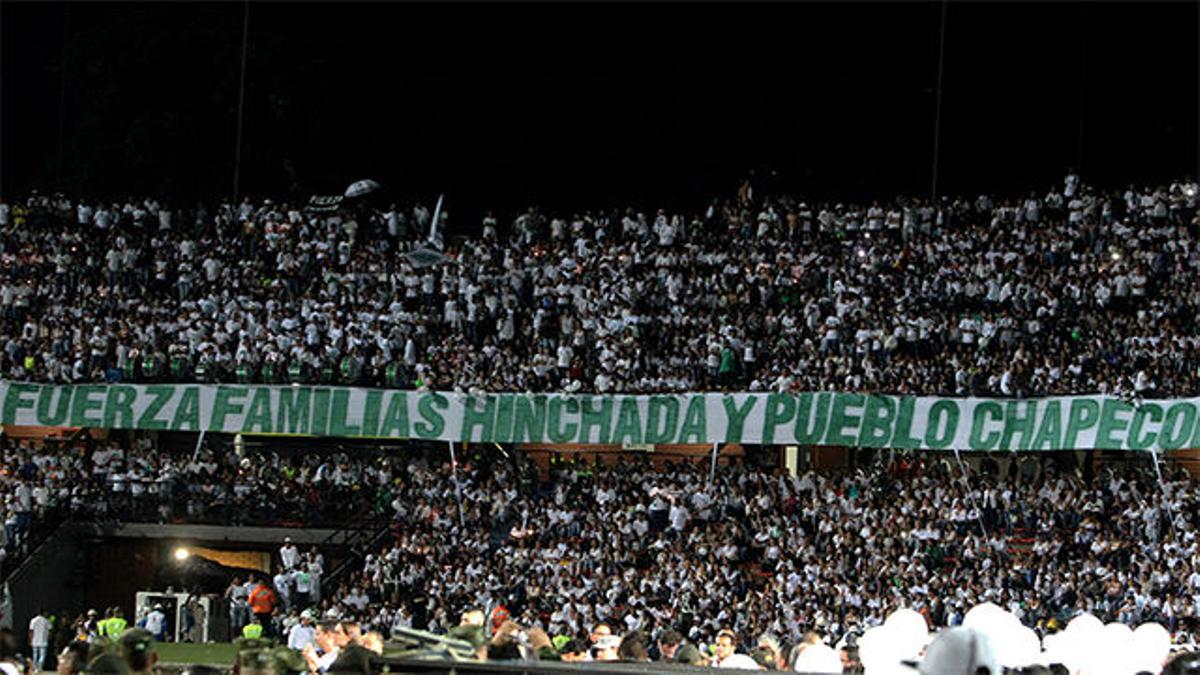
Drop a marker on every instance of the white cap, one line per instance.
(959, 651)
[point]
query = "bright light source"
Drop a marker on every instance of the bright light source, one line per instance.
(1190, 190)
(182, 554)
(1116, 256)
(862, 253)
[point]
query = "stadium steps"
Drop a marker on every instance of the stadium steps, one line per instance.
(1020, 542)
(359, 538)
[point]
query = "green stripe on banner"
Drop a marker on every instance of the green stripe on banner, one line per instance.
(846, 419)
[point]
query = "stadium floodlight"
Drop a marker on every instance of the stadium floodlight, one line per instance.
(182, 554)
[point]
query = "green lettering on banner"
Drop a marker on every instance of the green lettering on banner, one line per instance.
(1137, 441)
(937, 411)
(82, 403)
(840, 420)
(228, 402)
(555, 429)
(600, 419)
(736, 417)
(320, 412)
(473, 417)
(1015, 423)
(45, 398)
(979, 421)
(339, 423)
(695, 422)
(159, 395)
(395, 419)
(14, 400)
(1195, 438)
(258, 417)
(118, 407)
(1168, 438)
(1111, 424)
(1084, 414)
(432, 424)
(902, 438)
(629, 422)
(371, 413)
(878, 417)
(833, 418)
(1050, 430)
(662, 418)
(529, 419)
(504, 419)
(781, 408)
(187, 413)
(804, 434)
(295, 404)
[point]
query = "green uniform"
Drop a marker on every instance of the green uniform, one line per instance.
(252, 631)
(116, 627)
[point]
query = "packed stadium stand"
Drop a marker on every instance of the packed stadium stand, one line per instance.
(1075, 290)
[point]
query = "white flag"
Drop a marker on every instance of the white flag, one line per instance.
(435, 227)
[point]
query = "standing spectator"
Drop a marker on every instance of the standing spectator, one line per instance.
(156, 623)
(301, 635)
(39, 638)
(302, 581)
(289, 554)
(238, 597)
(283, 591)
(262, 604)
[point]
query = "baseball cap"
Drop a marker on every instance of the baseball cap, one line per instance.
(740, 662)
(108, 664)
(573, 646)
(689, 653)
(468, 633)
(137, 640)
(956, 651)
(274, 659)
(818, 658)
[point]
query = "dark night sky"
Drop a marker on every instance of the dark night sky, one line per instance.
(578, 106)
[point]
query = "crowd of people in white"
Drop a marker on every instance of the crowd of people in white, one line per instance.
(643, 550)
(1074, 290)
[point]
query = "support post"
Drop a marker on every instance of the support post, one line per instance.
(967, 488)
(462, 519)
(1162, 487)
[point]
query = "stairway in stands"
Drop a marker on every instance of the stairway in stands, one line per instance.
(1020, 542)
(360, 537)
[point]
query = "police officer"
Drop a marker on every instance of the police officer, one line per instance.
(254, 629)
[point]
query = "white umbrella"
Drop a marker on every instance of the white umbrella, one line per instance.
(361, 187)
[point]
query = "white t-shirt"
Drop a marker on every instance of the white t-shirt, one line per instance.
(155, 621)
(39, 626)
(300, 636)
(290, 556)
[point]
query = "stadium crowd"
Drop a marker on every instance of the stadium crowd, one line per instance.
(1075, 290)
(646, 551)
(761, 553)
(140, 482)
